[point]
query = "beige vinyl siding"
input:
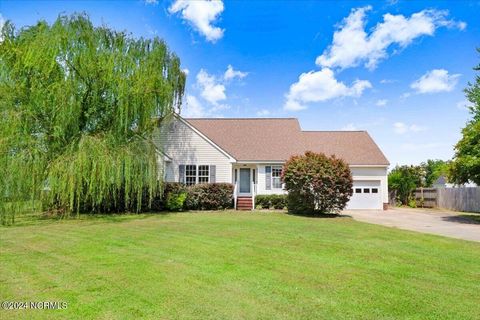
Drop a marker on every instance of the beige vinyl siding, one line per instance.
(185, 146)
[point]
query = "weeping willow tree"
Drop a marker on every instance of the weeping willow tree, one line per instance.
(78, 110)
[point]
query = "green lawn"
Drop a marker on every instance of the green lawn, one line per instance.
(230, 265)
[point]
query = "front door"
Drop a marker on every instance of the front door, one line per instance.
(245, 180)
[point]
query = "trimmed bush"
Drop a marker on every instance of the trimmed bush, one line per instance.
(175, 201)
(174, 196)
(269, 201)
(262, 201)
(206, 196)
(209, 196)
(278, 201)
(317, 184)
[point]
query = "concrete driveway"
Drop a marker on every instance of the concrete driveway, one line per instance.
(440, 222)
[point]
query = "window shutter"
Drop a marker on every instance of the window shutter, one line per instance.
(268, 177)
(213, 173)
(181, 173)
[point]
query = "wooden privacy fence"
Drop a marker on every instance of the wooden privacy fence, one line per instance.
(458, 199)
(426, 197)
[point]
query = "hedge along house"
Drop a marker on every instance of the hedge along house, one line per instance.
(250, 153)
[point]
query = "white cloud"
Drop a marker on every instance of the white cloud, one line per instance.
(402, 128)
(387, 81)
(186, 71)
(405, 95)
(464, 104)
(232, 74)
(263, 113)
(436, 80)
(153, 2)
(381, 102)
(211, 89)
(318, 86)
(193, 108)
(352, 45)
(461, 25)
(201, 14)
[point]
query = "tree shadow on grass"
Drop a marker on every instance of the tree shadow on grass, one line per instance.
(464, 218)
(46, 218)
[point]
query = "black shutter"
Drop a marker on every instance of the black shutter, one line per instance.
(213, 174)
(268, 177)
(181, 173)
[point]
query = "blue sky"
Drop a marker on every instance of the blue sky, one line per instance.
(395, 68)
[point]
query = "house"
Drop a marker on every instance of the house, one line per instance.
(440, 182)
(250, 152)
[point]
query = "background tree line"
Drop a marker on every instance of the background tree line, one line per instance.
(463, 168)
(405, 179)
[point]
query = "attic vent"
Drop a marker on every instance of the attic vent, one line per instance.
(172, 127)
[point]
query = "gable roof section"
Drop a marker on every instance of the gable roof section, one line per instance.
(355, 147)
(276, 139)
(253, 139)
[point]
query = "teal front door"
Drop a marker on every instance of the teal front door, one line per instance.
(245, 180)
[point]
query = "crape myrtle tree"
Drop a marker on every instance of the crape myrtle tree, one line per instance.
(317, 184)
(78, 107)
(465, 166)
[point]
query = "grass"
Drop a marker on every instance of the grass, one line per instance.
(230, 265)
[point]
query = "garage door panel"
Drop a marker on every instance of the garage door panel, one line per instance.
(366, 195)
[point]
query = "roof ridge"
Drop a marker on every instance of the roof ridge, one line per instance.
(269, 118)
(306, 131)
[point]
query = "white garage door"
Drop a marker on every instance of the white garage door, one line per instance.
(366, 195)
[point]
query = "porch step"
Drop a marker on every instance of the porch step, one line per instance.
(244, 203)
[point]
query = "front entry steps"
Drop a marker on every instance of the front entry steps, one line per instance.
(244, 203)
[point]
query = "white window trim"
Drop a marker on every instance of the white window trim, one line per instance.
(197, 173)
(271, 178)
(190, 176)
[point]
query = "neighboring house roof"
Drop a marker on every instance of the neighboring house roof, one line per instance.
(276, 139)
(440, 181)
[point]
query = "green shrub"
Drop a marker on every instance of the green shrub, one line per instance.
(278, 201)
(174, 187)
(209, 196)
(317, 184)
(412, 203)
(175, 201)
(262, 201)
(269, 201)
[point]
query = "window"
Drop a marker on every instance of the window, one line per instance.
(358, 190)
(203, 174)
(190, 174)
(374, 190)
(277, 177)
(366, 190)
